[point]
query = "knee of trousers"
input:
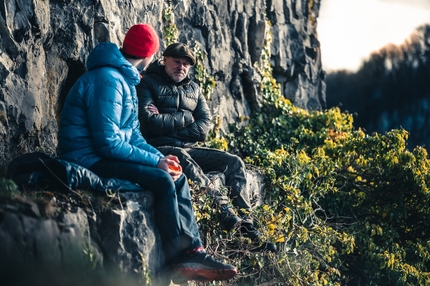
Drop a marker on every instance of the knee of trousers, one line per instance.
(177, 151)
(235, 161)
(164, 186)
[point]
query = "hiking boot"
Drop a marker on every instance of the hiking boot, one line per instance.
(169, 276)
(248, 230)
(199, 266)
(229, 219)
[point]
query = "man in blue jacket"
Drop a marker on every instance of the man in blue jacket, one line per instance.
(175, 118)
(99, 129)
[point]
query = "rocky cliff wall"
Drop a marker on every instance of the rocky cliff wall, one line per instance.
(69, 242)
(44, 46)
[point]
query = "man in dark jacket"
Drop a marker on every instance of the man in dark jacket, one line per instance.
(100, 130)
(174, 118)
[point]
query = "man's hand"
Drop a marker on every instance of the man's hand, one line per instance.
(153, 109)
(171, 165)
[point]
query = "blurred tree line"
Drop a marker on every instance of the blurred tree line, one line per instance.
(391, 89)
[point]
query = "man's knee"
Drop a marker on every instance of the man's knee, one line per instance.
(234, 160)
(176, 151)
(182, 188)
(164, 183)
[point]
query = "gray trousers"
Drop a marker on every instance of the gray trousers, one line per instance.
(196, 162)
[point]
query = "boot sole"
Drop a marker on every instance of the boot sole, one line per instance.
(179, 280)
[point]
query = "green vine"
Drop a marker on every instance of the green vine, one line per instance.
(170, 30)
(202, 77)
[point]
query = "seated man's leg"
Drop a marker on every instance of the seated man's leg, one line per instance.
(232, 167)
(174, 217)
(186, 212)
(194, 172)
(175, 234)
(235, 172)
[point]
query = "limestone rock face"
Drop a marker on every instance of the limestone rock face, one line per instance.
(118, 239)
(44, 46)
(129, 237)
(28, 238)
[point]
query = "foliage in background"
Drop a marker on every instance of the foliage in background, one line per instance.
(345, 207)
(390, 89)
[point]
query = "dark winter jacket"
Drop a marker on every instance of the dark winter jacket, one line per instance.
(99, 118)
(184, 116)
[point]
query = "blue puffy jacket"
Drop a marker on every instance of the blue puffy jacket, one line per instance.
(99, 118)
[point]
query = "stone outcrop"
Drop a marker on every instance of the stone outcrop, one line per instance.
(44, 46)
(50, 239)
(39, 240)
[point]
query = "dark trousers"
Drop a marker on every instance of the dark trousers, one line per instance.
(174, 214)
(198, 161)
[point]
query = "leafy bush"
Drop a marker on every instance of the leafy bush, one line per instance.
(344, 207)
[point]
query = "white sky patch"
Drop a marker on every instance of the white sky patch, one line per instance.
(419, 3)
(349, 30)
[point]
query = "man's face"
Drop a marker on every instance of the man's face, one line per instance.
(177, 68)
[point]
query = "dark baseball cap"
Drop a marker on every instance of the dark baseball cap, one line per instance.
(178, 50)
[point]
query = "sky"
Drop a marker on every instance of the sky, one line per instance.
(349, 30)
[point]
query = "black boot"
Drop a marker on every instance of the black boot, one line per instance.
(229, 219)
(248, 230)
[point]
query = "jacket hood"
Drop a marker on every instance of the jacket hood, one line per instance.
(108, 55)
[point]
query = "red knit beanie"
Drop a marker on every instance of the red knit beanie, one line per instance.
(141, 41)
